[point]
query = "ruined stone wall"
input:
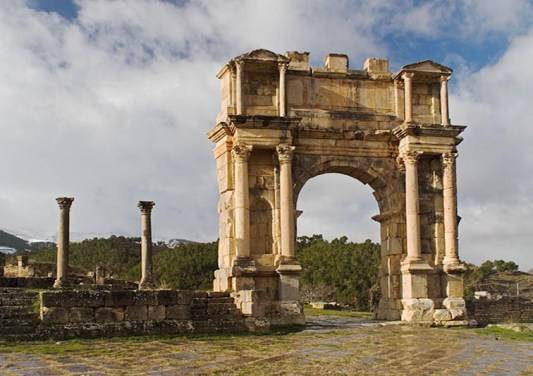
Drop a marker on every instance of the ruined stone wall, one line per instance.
(506, 309)
(92, 313)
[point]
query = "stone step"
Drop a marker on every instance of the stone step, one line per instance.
(16, 301)
(19, 329)
(14, 311)
(29, 319)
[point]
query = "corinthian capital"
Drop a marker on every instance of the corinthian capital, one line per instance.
(64, 202)
(411, 157)
(241, 152)
(146, 206)
(285, 153)
(448, 159)
(282, 67)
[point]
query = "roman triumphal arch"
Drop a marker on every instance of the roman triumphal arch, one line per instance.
(282, 122)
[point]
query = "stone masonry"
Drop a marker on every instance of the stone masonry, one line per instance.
(282, 123)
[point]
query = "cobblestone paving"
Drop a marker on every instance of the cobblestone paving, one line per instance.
(328, 346)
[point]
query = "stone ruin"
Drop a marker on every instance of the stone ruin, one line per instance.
(282, 123)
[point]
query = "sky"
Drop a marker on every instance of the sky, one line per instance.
(110, 102)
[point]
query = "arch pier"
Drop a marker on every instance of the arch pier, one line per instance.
(282, 122)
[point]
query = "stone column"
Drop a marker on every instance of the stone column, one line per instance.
(445, 118)
(286, 201)
(241, 153)
(408, 96)
(63, 235)
(449, 192)
(239, 64)
(146, 245)
(412, 218)
(282, 100)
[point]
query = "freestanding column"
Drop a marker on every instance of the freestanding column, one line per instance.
(451, 256)
(146, 245)
(412, 217)
(238, 86)
(445, 117)
(282, 104)
(63, 240)
(241, 153)
(286, 200)
(408, 96)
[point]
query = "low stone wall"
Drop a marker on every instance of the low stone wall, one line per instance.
(27, 283)
(90, 313)
(506, 309)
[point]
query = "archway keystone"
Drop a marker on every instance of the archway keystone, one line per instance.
(282, 122)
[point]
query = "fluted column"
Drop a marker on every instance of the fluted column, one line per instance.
(63, 238)
(451, 255)
(282, 100)
(445, 117)
(239, 64)
(286, 200)
(412, 217)
(408, 96)
(147, 281)
(241, 153)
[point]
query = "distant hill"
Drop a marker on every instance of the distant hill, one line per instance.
(12, 241)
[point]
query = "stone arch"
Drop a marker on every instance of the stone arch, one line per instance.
(380, 175)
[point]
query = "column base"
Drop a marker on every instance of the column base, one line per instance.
(146, 285)
(289, 282)
(61, 283)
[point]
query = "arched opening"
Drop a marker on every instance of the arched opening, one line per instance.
(338, 242)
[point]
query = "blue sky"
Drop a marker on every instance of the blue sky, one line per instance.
(110, 101)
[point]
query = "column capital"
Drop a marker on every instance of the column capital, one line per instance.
(285, 152)
(241, 152)
(64, 202)
(411, 157)
(444, 79)
(408, 75)
(239, 63)
(146, 206)
(282, 66)
(448, 159)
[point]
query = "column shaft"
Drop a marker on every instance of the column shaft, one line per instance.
(408, 96)
(241, 153)
(146, 245)
(63, 239)
(286, 201)
(449, 188)
(282, 100)
(445, 117)
(412, 217)
(238, 86)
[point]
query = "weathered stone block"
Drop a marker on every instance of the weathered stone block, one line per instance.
(58, 315)
(147, 297)
(81, 314)
(108, 314)
(184, 297)
(442, 315)
(156, 312)
(178, 312)
(137, 312)
(167, 297)
(120, 298)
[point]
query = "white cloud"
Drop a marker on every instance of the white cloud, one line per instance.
(113, 107)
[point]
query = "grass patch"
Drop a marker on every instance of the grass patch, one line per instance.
(504, 333)
(310, 311)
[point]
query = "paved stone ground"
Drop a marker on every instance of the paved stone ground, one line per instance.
(328, 346)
